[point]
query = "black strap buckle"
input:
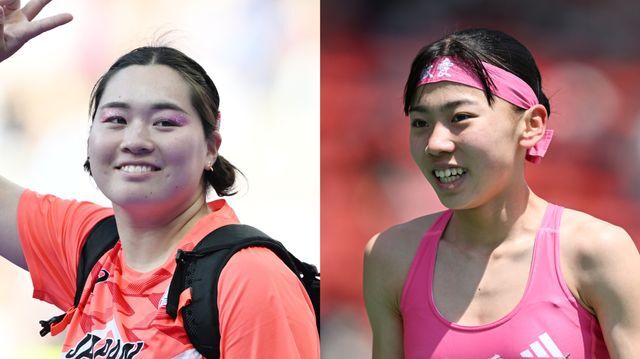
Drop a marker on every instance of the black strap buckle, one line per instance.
(46, 324)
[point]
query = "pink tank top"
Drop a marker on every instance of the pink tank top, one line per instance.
(547, 322)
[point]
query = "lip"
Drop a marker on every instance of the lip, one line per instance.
(444, 166)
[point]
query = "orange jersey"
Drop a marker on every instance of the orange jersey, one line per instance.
(264, 311)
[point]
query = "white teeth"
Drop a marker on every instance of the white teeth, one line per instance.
(136, 168)
(449, 174)
(449, 179)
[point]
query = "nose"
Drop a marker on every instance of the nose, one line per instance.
(136, 139)
(440, 141)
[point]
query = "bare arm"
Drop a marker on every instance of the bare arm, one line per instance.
(16, 28)
(10, 247)
(609, 283)
(382, 302)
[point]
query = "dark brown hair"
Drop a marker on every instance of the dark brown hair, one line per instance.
(473, 46)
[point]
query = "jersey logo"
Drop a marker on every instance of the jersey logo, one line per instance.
(105, 343)
(93, 346)
(544, 347)
(103, 276)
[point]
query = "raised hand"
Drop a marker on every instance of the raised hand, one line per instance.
(17, 25)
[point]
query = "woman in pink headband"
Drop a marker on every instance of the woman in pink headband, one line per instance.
(502, 273)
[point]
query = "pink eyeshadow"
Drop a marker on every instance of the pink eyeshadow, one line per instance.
(105, 114)
(181, 120)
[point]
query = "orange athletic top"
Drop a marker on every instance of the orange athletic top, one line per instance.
(264, 311)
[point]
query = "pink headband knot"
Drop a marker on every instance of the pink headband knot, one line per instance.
(506, 86)
(535, 153)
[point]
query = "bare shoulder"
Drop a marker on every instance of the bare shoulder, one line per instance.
(388, 254)
(593, 252)
(603, 262)
(595, 255)
(387, 259)
(588, 239)
(395, 243)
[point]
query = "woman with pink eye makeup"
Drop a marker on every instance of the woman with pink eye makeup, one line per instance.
(153, 150)
(502, 273)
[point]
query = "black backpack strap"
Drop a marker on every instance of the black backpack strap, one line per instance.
(102, 238)
(310, 277)
(200, 269)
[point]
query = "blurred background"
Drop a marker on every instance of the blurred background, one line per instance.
(264, 57)
(590, 63)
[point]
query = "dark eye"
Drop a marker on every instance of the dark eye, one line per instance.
(418, 123)
(119, 120)
(460, 117)
(166, 123)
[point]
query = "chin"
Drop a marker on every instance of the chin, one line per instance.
(124, 197)
(453, 206)
(135, 201)
(455, 202)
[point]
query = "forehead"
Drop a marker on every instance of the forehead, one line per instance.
(445, 94)
(147, 84)
(436, 94)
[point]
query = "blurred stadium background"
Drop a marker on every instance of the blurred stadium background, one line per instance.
(590, 63)
(264, 57)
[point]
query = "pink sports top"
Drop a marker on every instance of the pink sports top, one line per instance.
(547, 322)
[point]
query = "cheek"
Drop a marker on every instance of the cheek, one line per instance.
(417, 146)
(189, 154)
(98, 148)
(494, 144)
(102, 150)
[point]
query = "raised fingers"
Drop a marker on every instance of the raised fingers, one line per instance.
(37, 27)
(33, 8)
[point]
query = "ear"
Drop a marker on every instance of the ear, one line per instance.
(535, 123)
(87, 162)
(213, 145)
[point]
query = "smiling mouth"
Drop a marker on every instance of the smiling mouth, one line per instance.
(450, 174)
(137, 168)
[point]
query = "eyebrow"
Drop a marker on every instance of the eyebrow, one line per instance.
(156, 106)
(445, 107)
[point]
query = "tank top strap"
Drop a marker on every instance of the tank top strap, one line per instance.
(552, 218)
(547, 245)
(423, 260)
(545, 278)
(440, 223)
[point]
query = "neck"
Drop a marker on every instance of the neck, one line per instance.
(149, 237)
(510, 215)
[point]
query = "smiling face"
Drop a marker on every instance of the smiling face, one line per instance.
(467, 150)
(147, 144)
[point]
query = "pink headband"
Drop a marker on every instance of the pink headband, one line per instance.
(507, 86)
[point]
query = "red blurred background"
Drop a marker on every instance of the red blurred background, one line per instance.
(590, 64)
